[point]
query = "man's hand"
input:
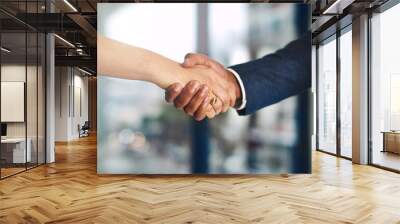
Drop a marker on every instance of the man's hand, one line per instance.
(194, 98)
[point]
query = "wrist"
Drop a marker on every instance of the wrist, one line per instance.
(184, 76)
(174, 75)
(234, 84)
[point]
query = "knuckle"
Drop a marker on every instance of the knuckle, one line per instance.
(204, 88)
(188, 55)
(198, 116)
(168, 98)
(196, 83)
(193, 84)
(201, 96)
(217, 110)
(179, 102)
(188, 110)
(176, 86)
(201, 112)
(171, 92)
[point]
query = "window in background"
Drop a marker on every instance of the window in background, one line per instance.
(385, 89)
(263, 141)
(140, 132)
(346, 94)
(327, 96)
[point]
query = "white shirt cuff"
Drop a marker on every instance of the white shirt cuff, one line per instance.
(242, 105)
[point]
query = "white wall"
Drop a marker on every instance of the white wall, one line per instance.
(62, 81)
(33, 126)
(12, 73)
(70, 83)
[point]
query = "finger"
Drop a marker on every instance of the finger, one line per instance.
(226, 106)
(186, 94)
(210, 112)
(192, 59)
(196, 101)
(200, 114)
(223, 97)
(172, 92)
(226, 103)
(217, 105)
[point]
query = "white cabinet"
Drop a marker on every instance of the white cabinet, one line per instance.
(18, 145)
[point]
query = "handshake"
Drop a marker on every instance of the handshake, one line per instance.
(203, 87)
(208, 93)
(200, 86)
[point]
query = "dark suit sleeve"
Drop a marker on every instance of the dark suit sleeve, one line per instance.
(276, 76)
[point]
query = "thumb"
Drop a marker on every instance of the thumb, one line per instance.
(192, 59)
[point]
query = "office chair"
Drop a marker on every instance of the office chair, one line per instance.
(84, 130)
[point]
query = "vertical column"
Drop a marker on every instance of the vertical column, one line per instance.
(338, 99)
(50, 92)
(360, 90)
(92, 101)
(1, 163)
(301, 151)
(200, 130)
(314, 97)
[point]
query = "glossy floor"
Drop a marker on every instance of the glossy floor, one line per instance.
(387, 159)
(70, 191)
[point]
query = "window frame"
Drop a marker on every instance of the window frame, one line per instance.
(333, 37)
(27, 29)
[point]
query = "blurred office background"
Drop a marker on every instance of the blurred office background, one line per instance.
(140, 133)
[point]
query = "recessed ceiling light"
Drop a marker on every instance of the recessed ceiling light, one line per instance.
(337, 7)
(70, 5)
(5, 50)
(84, 71)
(64, 40)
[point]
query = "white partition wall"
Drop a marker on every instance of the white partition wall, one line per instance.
(13, 145)
(22, 77)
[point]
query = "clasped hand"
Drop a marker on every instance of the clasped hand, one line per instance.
(208, 76)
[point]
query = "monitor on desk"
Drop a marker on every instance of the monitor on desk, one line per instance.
(3, 130)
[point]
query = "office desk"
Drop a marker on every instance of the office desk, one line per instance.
(16, 147)
(391, 141)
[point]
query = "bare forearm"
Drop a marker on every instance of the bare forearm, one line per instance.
(125, 61)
